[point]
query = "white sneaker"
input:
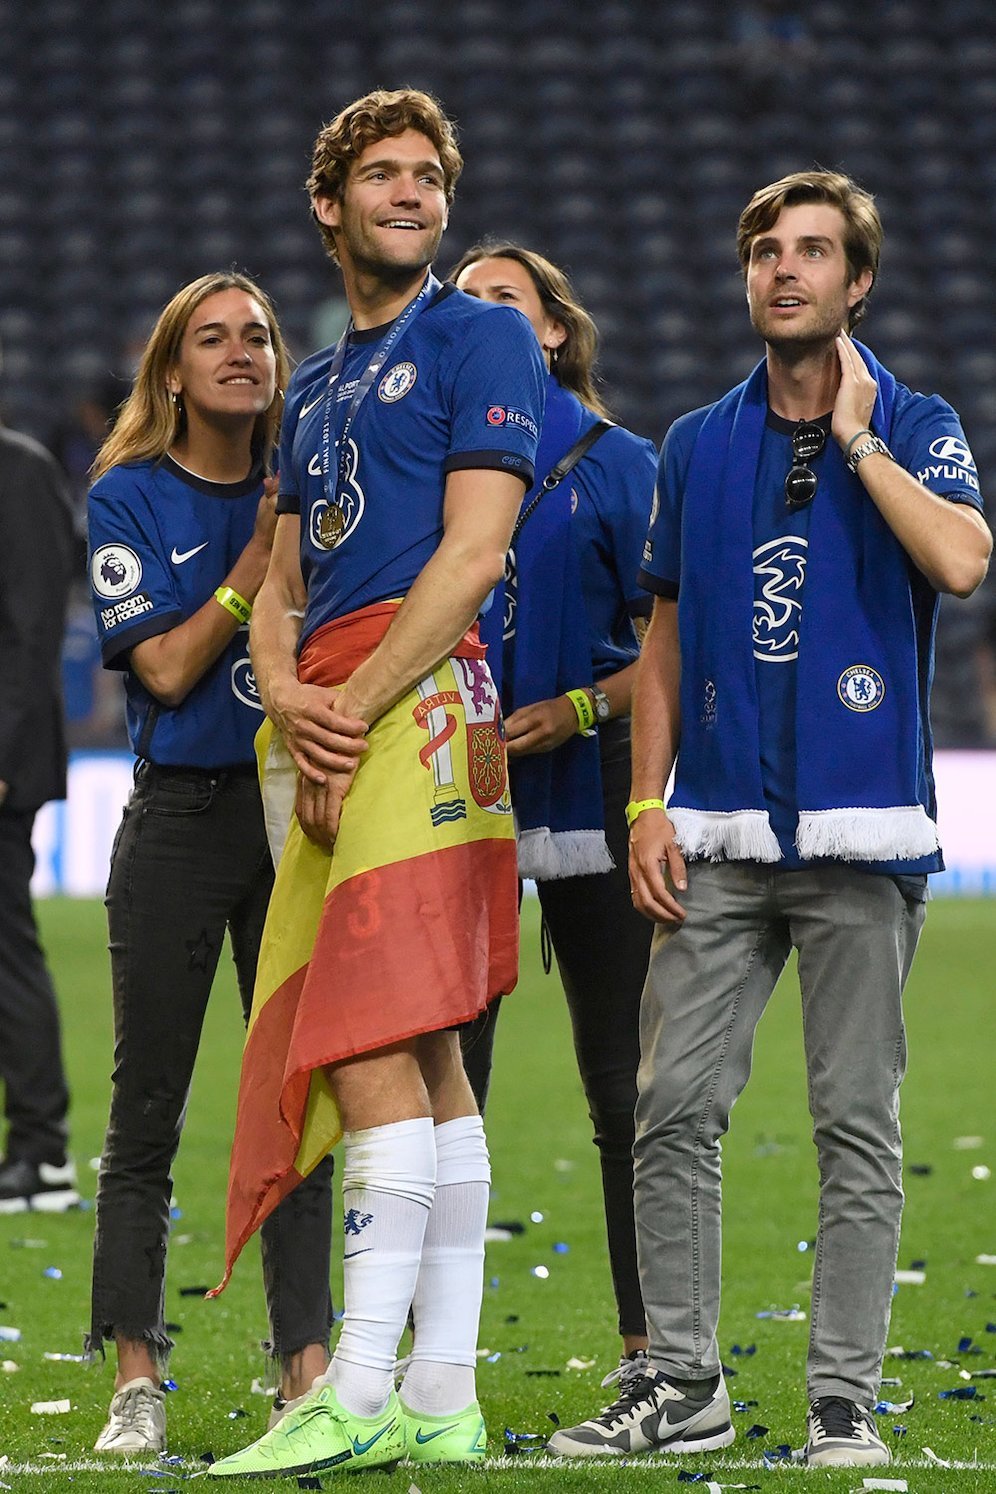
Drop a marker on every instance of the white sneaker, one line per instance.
(136, 1420)
(46, 1187)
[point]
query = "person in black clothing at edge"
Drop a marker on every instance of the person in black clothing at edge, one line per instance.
(36, 538)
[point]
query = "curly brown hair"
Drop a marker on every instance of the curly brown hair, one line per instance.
(862, 224)
(378, 116)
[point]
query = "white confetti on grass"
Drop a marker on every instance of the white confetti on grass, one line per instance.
(50, 1408)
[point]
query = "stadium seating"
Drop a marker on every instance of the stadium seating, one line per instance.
(141, 145)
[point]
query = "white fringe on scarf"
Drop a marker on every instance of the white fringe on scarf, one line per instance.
(546, 855)
(899, 834)
(732, 835)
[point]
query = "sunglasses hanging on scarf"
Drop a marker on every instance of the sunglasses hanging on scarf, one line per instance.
(808, 440)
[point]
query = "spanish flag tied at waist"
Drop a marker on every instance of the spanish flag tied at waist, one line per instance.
(409, 926)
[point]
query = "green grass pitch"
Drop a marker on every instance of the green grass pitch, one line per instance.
(546, 1176)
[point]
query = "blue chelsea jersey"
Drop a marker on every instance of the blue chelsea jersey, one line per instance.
(161, 541)
(464, 389)
(612, 489)
(927, 440)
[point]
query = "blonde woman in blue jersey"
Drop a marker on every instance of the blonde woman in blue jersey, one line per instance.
(181, 519)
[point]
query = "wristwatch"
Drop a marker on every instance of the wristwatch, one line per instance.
(865, 448)
(601, 702)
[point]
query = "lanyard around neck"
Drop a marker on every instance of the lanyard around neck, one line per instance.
(389, 342)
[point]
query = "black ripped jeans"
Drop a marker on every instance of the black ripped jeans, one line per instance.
(189, 861)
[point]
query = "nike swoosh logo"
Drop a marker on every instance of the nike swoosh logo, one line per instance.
(177, 558)
(365, 1251)
(428, 1437)
(306, 409)
(359, 1448)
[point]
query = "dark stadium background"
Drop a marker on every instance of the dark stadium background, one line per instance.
(142, 144)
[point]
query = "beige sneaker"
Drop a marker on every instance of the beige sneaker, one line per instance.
(136, 1420)
(282, 1408)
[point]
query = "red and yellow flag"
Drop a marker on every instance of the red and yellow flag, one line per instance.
(410, 926)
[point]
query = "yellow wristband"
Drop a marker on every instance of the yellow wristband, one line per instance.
(637, 806)
(583, 708)
(233, 603)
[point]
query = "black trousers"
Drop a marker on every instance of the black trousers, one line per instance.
(36, 1098)
(602, 947)
(189, 861)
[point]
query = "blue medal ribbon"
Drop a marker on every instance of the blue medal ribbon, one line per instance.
(331, 523)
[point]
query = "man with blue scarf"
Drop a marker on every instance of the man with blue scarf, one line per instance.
(803, 528)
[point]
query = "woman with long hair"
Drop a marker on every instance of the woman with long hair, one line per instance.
(181, 521)
(565, 636)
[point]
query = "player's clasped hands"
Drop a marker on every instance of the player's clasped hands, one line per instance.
(319, 806)
(319, 738)
(655, 860)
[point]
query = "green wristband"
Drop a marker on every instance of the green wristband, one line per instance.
(233, 603)
(583, 708)
(636, 807)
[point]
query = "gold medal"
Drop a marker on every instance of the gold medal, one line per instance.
(330, 526)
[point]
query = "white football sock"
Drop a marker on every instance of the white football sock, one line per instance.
(440, 1379)
(388, 1179)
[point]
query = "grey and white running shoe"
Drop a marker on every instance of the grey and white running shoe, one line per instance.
(650, 1415)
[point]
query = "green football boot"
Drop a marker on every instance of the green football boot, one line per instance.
(445, 1439)
(321, 1436)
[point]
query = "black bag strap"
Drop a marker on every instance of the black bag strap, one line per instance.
(556, 474)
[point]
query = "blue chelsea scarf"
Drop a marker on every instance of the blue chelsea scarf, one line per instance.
(860, 736)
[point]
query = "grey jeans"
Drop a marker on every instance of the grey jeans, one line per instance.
(707, 986)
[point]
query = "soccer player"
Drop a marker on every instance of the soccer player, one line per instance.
(181, 519)
(404, 456)
(805, 526)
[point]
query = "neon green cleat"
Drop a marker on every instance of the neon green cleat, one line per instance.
(320, 1436)
(445, 1439)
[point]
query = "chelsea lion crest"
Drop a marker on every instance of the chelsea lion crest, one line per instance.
(861, 688)
(396, 382)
